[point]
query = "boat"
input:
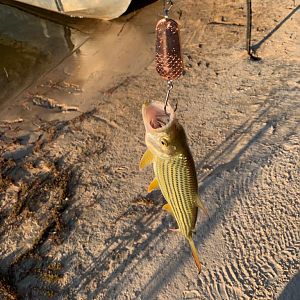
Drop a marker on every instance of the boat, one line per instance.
(100, 9)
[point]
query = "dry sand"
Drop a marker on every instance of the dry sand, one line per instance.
(76, 221)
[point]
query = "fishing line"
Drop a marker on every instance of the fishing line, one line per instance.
(167, 10)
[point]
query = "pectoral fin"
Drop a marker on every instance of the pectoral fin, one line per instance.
(195, 254)
(146, 160)
(167, 207)
(153, 185)
(201, 205)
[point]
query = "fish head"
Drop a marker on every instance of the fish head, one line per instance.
(164, 137)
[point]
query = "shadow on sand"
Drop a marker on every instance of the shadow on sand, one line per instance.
(292, 289)
(256, 46)
(131, 246)
(225, 157)
(114, 267)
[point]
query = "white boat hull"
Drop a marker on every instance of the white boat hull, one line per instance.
(101, 9)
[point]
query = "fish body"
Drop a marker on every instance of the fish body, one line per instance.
(177, 180)
(174, 168)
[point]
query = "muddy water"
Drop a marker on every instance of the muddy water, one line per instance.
(30, 47)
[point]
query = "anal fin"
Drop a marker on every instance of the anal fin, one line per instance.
(167, 207)
(153, 185)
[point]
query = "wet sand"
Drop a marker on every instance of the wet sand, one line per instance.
(76, 221)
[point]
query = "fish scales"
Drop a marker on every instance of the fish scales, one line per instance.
(179, 187)
(174, 199)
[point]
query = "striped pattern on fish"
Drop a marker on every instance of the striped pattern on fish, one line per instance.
(174, 169)
(178, 184)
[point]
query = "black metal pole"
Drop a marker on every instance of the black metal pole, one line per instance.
(249, 27)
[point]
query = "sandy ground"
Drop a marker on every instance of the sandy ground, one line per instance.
(76, 221)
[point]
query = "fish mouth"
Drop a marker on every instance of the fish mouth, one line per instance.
(155, 117)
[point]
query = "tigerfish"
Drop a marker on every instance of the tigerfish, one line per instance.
(174, 168)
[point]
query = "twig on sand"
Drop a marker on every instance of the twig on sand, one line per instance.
(10, 122)
(225, 23)
(6, 73)
(68, 87)
(19, 120)
(51, 104)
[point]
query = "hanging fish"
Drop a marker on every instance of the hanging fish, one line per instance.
(174, 168)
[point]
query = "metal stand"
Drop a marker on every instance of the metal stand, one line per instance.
(249, 48)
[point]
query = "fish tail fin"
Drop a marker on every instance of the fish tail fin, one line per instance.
(195, 254)
(201, 205)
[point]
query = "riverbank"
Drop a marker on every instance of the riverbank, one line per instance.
(76, 221)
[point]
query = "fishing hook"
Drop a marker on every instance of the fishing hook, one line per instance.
(167, 10)
(170, 87)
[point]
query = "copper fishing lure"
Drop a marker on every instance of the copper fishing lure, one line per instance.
(169, 63)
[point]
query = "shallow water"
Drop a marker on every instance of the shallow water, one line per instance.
(30, 47)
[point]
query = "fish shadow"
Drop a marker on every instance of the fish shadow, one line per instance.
(131, 244)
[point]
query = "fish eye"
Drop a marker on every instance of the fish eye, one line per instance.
(164, 142)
